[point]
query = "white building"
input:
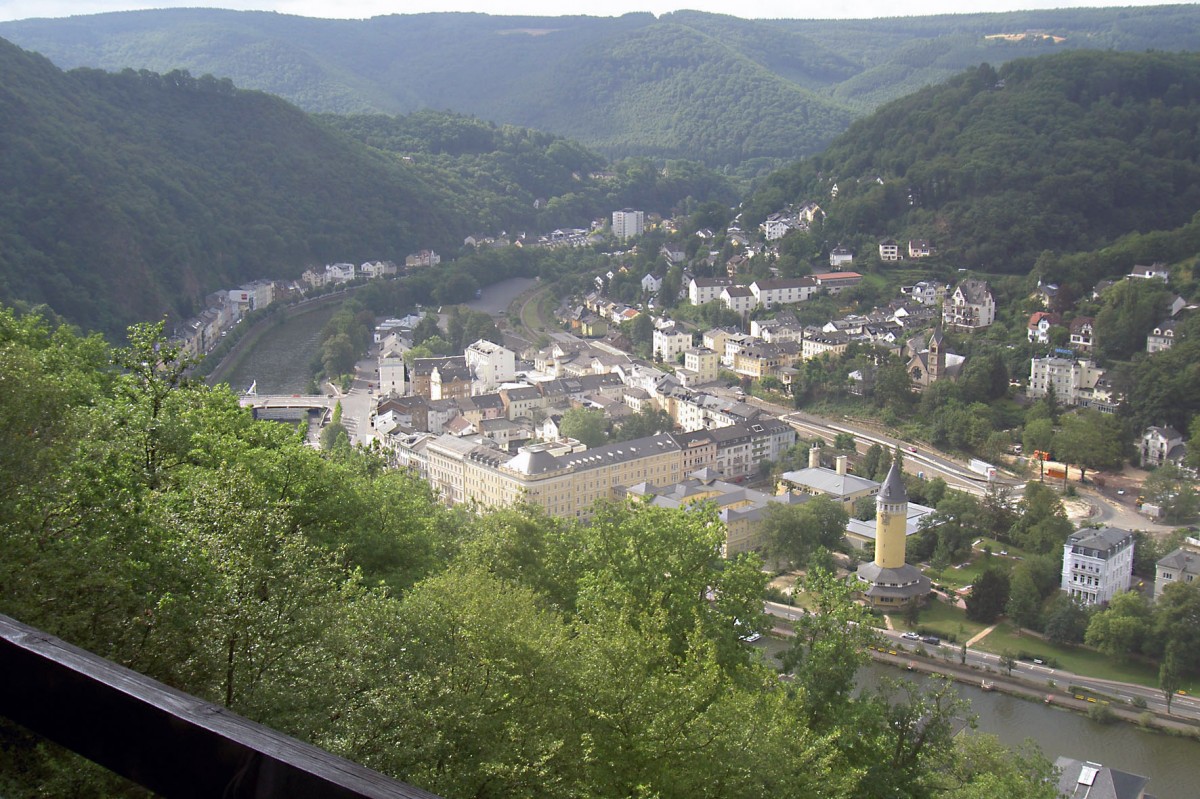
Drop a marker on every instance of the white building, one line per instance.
(628, 223)
(889, 250)
(738, 299)
(785, 291)
(1097, 564)
(1075, 381)
(839, 257)
(706, 289)
(651, 284)
(391, 373)
(970, 307)
(670, 342)
(490, 365)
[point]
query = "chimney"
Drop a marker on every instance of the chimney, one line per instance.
(841, 464)
(814, 458)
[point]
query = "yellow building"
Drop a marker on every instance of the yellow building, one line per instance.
(565, 479)
(888, 581)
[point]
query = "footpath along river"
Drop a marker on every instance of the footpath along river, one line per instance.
(1169, 762)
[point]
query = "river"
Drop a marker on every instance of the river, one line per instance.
(1169, 762)
(281, 360)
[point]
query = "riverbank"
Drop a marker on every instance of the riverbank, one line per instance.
(1047, 692)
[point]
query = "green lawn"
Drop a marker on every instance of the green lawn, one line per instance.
(943, 620)
(1075, 659)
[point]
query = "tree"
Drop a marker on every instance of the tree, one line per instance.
(1172, 491)
(844, 441)
(1120, 630)
(1169, 674)
(988, 596)
(1066, 621)
(1091, 440)
(646, 422)
(829, 647)
(1024, 601)
(1176, 623)
(1008, 660)
(1037, 436)
(1042, 525)
(587, 425)
(794, 532)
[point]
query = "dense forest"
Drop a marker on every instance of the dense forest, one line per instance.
(133, 195)
(505, 654)
(1061, 154)
(722, 90)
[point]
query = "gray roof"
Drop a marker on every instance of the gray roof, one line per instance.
(893, 491)
(1102, 540)
(1082, 779)
(1182, 560)
(827, 481)
(905, 582)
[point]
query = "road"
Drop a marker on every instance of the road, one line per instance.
(923, 460)
(1183, 707)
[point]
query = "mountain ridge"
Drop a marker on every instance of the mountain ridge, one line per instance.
(621, 85)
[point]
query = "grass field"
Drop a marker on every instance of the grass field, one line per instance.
(945, 620)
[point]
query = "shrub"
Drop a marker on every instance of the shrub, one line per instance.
(1102, 713)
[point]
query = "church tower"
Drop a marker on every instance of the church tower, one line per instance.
(937, 356)
(891, 520)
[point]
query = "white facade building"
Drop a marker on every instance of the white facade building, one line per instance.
(1097, 564)
(670, 342)
(490, 365)
(1075, 382)
(628, 223)
(706, 289)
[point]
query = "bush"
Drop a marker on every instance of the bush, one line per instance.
(1138, 702)
(775, 594)
(1102, 713)
(1146, 720)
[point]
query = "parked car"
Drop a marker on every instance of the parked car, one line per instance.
(911, 636)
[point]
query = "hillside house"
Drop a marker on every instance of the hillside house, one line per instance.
(1161, 445)
(970, 307)
(1039, 326)
(1083, 333)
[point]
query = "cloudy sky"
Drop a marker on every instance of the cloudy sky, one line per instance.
(762, 9)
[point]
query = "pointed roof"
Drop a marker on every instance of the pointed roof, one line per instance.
(893, 491)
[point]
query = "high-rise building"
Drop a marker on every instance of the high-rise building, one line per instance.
(628, 223)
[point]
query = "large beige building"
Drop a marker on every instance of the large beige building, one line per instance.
(563, 478)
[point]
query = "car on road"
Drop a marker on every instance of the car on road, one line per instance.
(930, 639)
(910, 636)
(912, 449)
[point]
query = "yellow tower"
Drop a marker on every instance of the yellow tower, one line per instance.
(891, 520)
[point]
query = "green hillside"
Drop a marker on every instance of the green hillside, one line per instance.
(1061, 154)
(708, 87)
(129, 196)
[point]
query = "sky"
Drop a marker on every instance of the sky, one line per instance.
(749, 9)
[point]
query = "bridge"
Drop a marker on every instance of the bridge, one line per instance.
(289, 401)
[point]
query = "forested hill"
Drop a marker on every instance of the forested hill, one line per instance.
(127, 196)
(719, 89)
(1058, 155)
(124, 197)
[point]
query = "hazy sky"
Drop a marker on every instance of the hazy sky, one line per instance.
(762, 9)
